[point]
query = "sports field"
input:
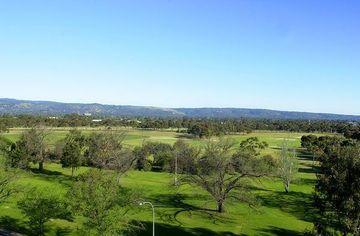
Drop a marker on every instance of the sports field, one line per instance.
(184, 210)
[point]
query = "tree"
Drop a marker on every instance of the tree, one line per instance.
(14, 153)
(200, 130)
(7, 180)
(183, 154)
(141, 155)
(40, 207)
(3, 127)
(337, 191)
(73, 150)
(35, 148)
(106, 150)
(288, 166)
(100, 198)
(225, 175)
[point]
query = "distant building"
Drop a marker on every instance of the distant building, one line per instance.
(97, 120)
(87, 114)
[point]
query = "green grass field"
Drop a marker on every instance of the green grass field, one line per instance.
(184, 211)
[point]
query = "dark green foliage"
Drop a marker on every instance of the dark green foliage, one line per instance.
(142, 162)
(15, 153)
(200, 130)
(40, 207)
(337, 192)
(158, 156)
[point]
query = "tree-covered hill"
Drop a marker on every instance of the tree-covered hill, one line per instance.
(14, 107)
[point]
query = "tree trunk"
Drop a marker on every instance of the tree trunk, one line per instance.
(220, 207)
(72, 171)
(287, 187)
(41, 166)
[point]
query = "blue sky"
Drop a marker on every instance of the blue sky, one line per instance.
(287, 55)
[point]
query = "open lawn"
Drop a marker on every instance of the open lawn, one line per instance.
(183, 211)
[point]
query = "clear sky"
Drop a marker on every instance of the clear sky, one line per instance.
(290, 55)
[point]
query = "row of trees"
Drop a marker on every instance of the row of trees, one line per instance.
(196, 126)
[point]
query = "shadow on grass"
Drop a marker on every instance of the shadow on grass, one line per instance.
(53, 176)
(62, 231)
(296, 203)
(278, 231)
(166, 230)
(46, 172)
(178, 201)
(13, 225)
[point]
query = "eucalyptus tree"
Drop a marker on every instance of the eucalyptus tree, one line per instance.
(225, 172)
(288, 165)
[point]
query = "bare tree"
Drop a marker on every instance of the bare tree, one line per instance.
(225, 174)
(288, 165)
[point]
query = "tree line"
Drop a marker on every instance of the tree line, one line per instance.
(200, 127)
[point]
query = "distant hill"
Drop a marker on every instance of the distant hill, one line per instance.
(16, 107)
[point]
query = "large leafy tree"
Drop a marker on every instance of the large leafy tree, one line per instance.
(73, 150)
(40, 207)
(99, 197)
(225, 174)
(337, 192)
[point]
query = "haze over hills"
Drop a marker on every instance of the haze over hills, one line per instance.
(16, 107)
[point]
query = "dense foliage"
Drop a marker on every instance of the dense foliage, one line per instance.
(337, 191)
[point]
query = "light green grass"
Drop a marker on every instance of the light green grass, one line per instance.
(279, 214)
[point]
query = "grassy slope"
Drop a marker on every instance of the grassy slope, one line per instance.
(186, 210)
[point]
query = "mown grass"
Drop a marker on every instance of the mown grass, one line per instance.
(185, 210)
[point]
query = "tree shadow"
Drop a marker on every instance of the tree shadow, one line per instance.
(63, 231)
(307, 181)
(45, 172)
(178, 201)
(278, 231)
(13, 226)
(53, 176)
(166, 230)
(184, 136)
(308, 170)
(296, 203)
